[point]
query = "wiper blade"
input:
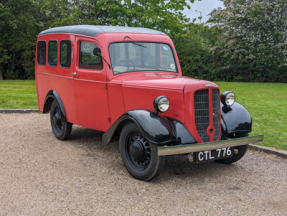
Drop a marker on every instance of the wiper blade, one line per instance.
(134, 42)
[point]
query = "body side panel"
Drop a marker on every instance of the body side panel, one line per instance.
(56, 78)
(91, 97)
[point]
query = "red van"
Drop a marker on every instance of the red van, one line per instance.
(127, 83)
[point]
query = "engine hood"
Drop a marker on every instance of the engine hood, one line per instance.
(139, 90)
(159, 80)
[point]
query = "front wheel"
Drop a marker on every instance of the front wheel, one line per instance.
(61, 128)
(139, 156)
(241, 151)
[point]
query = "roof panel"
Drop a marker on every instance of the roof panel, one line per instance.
(93, 30)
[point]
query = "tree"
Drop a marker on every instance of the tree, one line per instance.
(18, 30)
(254, 40)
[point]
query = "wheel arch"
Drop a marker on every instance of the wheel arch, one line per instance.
(235, 119)
(51, 96)
(155, 128)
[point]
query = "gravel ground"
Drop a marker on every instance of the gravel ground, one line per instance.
(40, 175)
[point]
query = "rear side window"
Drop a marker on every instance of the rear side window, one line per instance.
(87, 58)
(53, 53)
(41, 54)
(65, 53)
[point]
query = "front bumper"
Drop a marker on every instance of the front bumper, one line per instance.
(188, 148)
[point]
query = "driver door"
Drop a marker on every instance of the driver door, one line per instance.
(90, 85)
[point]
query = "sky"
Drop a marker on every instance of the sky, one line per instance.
(205, 6)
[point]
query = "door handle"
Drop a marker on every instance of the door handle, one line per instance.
(75, 74)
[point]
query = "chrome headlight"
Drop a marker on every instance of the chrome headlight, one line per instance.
(161, 104)
(228, 98)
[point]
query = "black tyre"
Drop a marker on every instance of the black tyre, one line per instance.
(61, 128)
(241, 151)
(139, 156)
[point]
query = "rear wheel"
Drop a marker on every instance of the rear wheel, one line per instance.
(241, 151)
(61, 128)
(139, 156)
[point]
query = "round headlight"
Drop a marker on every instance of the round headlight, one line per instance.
(161, 104)
(228, 98)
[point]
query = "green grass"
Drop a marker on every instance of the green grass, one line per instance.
(267, 105)
(266, 102)
(18, 94)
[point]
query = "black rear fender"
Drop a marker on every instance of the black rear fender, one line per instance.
(51, 96)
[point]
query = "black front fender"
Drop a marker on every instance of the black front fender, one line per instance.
(156, 128)
(235, 119)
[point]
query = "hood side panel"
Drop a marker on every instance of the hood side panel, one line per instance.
(142, 98)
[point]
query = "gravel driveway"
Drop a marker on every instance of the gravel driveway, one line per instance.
(40, 175)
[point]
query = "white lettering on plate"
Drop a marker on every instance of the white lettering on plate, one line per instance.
(219, 150)
(206, 154)
(200, 156)
(210, 157)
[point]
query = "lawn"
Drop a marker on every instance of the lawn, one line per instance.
(266, 103)
(18, 94)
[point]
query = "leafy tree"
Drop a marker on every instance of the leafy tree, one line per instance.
(162, 15)
(22, 20)
(253, 34)
(18, 30)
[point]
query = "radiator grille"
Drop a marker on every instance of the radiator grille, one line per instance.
(201, 108)
(216, 113)
(202, 116)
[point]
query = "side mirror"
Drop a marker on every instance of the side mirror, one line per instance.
(97, 51)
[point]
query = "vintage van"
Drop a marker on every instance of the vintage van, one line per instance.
(127, 83)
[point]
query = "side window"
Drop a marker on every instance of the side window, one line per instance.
(53, 53)
(65, 53)
(87, 58)
(41, 53)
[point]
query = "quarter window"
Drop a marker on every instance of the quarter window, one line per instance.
(41, 53)
(53, 53)
(87, 58)
(65, 53)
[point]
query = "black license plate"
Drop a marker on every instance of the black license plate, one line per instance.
(213, 154)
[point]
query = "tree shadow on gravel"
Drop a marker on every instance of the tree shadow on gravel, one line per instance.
(177, 166)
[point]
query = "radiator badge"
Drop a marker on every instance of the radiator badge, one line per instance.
(209, 85)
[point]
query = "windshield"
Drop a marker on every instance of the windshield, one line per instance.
(140, 56)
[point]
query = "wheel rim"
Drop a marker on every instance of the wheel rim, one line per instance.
(57, 120)
(138, 151)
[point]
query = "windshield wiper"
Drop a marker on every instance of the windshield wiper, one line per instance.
(134, 42)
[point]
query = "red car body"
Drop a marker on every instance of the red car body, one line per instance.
(98, 99)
